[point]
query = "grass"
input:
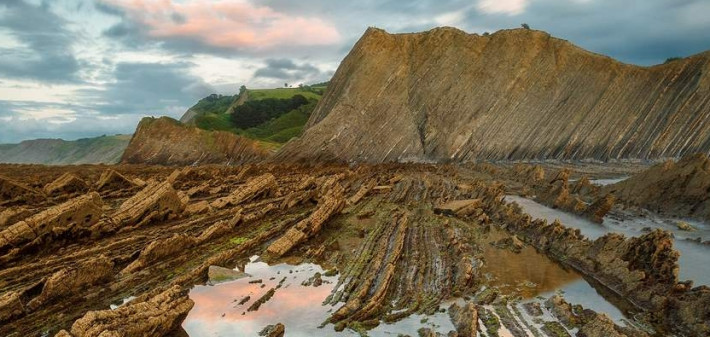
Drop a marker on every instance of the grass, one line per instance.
(283, 128)
(238, 240)
(256, 94)
(212, 121)
(212, 115)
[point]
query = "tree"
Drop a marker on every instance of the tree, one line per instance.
(671, 59)
(242, 89)
(525, 25)
(285, 85)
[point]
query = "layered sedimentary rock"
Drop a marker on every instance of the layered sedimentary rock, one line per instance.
(445, 95)
(675, 188)
(112, 180)
(330, 204)
(13, 191)
(166, 141)
(73, 280)
(73, 215)
(261, 185)
(157, 201)
(157, 316)
(66, 183)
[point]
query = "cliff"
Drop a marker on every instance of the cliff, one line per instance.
(99, 150)
(671, 188)
(445, 95)
(166, 141)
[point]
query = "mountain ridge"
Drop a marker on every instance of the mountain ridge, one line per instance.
(446, 95)
(97, 150)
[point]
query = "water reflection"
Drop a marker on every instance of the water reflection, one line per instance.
(217, 311)
(693, 255)
(604, 182)
(527, 273)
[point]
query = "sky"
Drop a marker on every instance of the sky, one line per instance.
(83, 68)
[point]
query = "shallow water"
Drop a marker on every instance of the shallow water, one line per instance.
(604, 182)
(527, 273)
(217, 311)
(693, 258)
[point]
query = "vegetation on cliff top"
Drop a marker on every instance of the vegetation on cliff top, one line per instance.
(269, 115)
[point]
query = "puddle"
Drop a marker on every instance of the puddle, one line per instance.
(604, 182)
(693, 258)
(528, 273)
(123, 302)
(217, 311)
(581, 292)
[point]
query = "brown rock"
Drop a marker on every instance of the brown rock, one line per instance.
(157, 316)
(157, 201)
(160, 249)
(111, 180)
(166, 141)
(465, 319)
(12, 190)
(276, 330)
(329, 205)
(13, 215)
(261, 185)
(73, 281)
(679, 189)
(67, 183)
(597, 210)
(436, 96)
(10, 306)
(76, 214)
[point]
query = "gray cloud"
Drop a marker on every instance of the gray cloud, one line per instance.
(140, 89)
(288, 70)
(148, 88)
(640, 34)
(47, 56)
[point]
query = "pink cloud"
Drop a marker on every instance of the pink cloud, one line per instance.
(227, 24)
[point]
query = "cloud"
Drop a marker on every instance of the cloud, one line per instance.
(644, 34)
(510, 7)
(287, 70)
(217, 25)
(148, 89)
(44, 51)
(139, 89)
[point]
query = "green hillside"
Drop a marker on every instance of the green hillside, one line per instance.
(269, 115)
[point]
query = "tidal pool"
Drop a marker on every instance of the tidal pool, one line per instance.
(693, 255)
(218, 312)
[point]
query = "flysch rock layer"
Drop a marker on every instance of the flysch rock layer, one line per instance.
(675, 188)
(166, 141)
(79, 213)
(445, 95)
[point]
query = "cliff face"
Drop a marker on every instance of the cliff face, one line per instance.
(166, 141)
(99, 150)
(445, 95)
(673, 188)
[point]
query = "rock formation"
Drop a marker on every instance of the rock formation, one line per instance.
(445, 95)
(112, 180)
(66, 183)
(157, 201)
(166, 141)
(73, 215)
(157, 316)
(674, 188)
